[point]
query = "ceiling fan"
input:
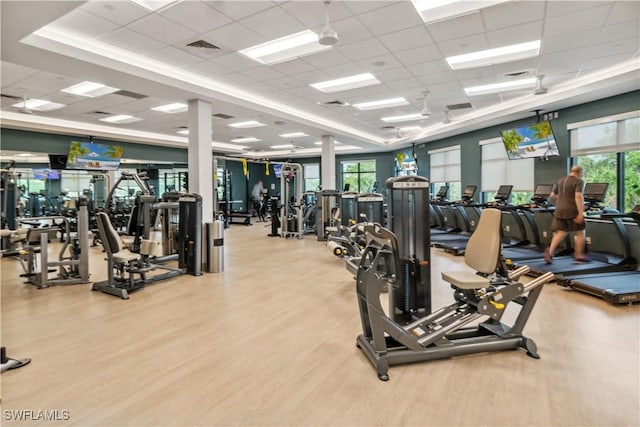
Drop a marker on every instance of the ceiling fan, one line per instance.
(426, 112)
(24, 109)
(328, 36)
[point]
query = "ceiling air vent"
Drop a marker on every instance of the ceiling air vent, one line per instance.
(201, 44)
(223, 116)
(459, 106)
(103, 113)
(387, 128)
(129, 94)
(516, 74)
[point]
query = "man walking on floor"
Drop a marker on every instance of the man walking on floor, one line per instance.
(569, 214)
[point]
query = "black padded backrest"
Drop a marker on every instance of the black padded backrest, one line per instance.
(110, 238)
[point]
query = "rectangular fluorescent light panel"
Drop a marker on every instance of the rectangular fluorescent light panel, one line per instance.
(346, 83)
(248, 139)
(90, 89)
(383, 103)
(347, 148)
(282, 146)
(285, 48)
(498, 55)
(410, 128)
(439, 10)
(501, 87)
(156, 5)
(38, 105)
(176, 107)
(403, 118)
(335, 142)
(183, 131)
(246, 125)
(225, 146)
(293, 135)
(121, 119)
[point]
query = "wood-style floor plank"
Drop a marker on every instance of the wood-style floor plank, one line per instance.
(271, 341)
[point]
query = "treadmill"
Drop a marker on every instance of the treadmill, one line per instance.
(600, 262)
(439, 224)
(448, 241)
(615, 288)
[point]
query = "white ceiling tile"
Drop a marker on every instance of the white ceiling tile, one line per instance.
(326, 58)
(418, 55)
(235, 62)
(287, 82)
(403, 84)
(406, 39)
(464, 45)
(378, 64)
(517, 66)
(311, 13)
(233, 37)
(435, 78)
(561, 62)
(390, 75)
(627, 47)
(512, 13)
(350, 30)
(358, 7)
(263, 73)
(13, 73)
(162, 29)
(128, 39)
(344, 70)
(456, 28)
(600, 63)
(379, 21)
(295, 66)
(240, 9)
(196, 16)
(85, 24)
(574, 22)
(273, 23)
(621, 31)
(557, 7)
(514, 35)
(569, 41)
(314, 76)
(623, 11)
(473, 73)
(208, 68)
(173, 56)
(45, 82)
(120, 12)
(430, 67)
(239, 80)
(362, 49)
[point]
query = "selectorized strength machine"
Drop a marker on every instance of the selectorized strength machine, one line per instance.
(411, 332)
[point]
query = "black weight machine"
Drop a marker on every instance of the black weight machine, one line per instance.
(127, 270)
(411, 332)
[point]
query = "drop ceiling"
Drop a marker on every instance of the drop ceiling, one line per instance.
(589, 50)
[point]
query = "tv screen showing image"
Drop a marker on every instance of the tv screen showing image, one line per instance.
(277, 170)
(530, 141)
(43, 173)
(92, 156)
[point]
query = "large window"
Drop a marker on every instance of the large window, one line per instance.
(608, 150)
(311, 176)
(498, 170)
(359, 174)
(444, 169)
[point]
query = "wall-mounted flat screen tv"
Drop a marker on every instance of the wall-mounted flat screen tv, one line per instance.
(530, 141)
(92, 156)
(277, 170)
(43, 173)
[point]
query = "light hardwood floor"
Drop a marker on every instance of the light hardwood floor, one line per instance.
(271, 341)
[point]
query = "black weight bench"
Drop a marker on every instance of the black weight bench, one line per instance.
(244, 216)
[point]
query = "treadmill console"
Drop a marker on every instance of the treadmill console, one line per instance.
(468, 193)
(594, 194)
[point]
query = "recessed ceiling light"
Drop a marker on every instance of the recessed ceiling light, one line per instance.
(293, 135)
(38, 105)
(121, 119)
(409, 128)
(438, 10)
(403, 118)
(183, 131)
(383, 103)
(25, 155)
(285, 48)
(225, 146)
(247, 124)
(498, 55)
(346, 83)
(90, 89)
(282, 146)
(248, 139)
(500, 87)
(156, 5)
(348, 147)
(176, 107)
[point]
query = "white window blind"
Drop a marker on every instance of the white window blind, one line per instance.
(444, 164)
(312, 171)
(613, 134)
(498, 170)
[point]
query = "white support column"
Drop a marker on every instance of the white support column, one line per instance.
(328, 165)
(200, 164)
